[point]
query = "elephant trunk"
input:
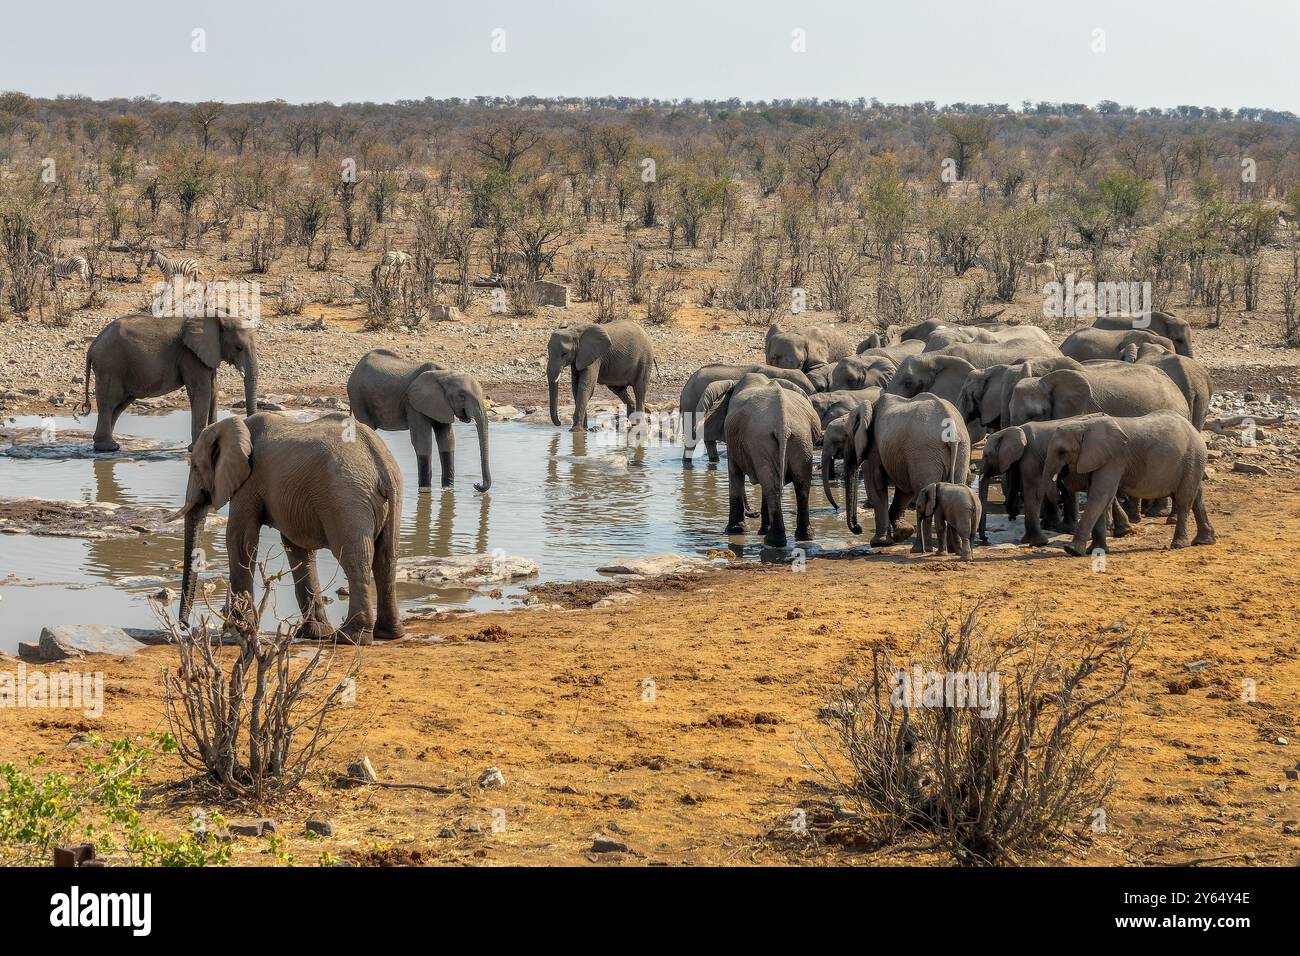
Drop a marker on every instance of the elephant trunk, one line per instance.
(479, 416)
(193, 525)
(851, 488)
(828, 472)
(250, 383)
(553, 383)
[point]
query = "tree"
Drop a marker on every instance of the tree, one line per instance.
(968, 135)
(126, 131)
(201, 119)
(503, 144)
(815, 153)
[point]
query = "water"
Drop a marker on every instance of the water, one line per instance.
(558, 498)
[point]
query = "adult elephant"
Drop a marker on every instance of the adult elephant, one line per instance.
(390, 393)
(907, 443)
(1170, 326)
(820, 376)
(771, 431)
(896, 352)
(1115, 388)
(145, 356)
(693, 391)
(1093, 344)
(934, 372)
(1016, 454)
(984, 354)
(986, 393)
(1152, 456)
(922, 331)
(857, 372)
(1003, 335)
(804, 349)
(617, 355)
(831, 405)
(328, 483)
(1191, 377)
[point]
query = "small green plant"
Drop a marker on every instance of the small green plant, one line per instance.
(97, 806)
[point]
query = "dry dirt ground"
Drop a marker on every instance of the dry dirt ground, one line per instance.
(710, 771)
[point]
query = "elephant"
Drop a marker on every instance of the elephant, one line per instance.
(1115, 388)
(693, 391)
(949, 514)
(934, 372)
(831, 405)
(771, 431)
(922, 331)
(1191, 377)
(820, 376)
(906, 442)
(1017, 453)
(618, 355)
(1093, 344)
(1157, 455)
(986, 394)
(144, 356)
(1171, 327)
(984, 354)
(873, 341)
(857, 372)
(328, 483)
(834, 437)
(896, 352)
(391, 393)
(804, 349)
(1002, 335)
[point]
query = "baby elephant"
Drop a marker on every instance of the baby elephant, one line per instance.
(950, 511)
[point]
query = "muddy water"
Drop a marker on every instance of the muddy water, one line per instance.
(569, 502)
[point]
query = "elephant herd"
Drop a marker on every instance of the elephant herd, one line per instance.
(1114, 412)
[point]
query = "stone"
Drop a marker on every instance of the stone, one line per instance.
(60, 642)
(1248, 468)
(654, 564)
(362, 771)
(491, 777)
(323, 828)
(1293, 774)
(469, 569)
(551, 293)
(1198, 665)
(446, 833)
(444, 313)
(602, 844)
(253, 828)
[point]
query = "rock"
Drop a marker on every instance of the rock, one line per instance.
(482, 568)
(504, 413)
(654, 564)
(323, 828)
(254, 828)
(446, 833)
(1292, 774)
(80, 519)
(444, 313)
(618, 597)
(57, 444)
(1248, 468)
(551, 293)
(1198, 665)
(165, 597)
(362, 771)
(603, 844)
(59, 642)
(1281, 741)
(491, 777)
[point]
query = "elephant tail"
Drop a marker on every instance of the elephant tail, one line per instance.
(85, 398)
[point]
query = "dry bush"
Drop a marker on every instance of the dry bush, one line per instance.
(998, 780)
(253, 717)
(289, 301)
(521, 295)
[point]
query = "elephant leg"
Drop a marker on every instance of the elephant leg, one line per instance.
(1157, 508)
(900, 532)
(775, 536)
(878, 493)
(446, 440)
(1121, 526)
(1033, 508)
(711, 450)
(1101, 492)
(212, 400)
(925, 527)
(203, 397)
(1204, 530)
(241, 551)
(735, 500)
(315, 624)
(108, 405)
(763, 523)
(357, 561)
(801, 529)
(744, 493)
(584, 386)
(388, 618)
(422, 442)
(620, 392)
(1069, 509)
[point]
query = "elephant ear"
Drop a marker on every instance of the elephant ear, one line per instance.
(715, 401)
(1009, 446)
(592, 344)
(859, 428)
(927, 499)
(220, 463)
(1103, 439)
(1069, 391)
(789, 386)
(202, 336)
(428, 397)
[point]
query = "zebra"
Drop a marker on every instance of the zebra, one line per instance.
(72, 265)
(186, 268)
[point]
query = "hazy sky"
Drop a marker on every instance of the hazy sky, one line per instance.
(1157, 52)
